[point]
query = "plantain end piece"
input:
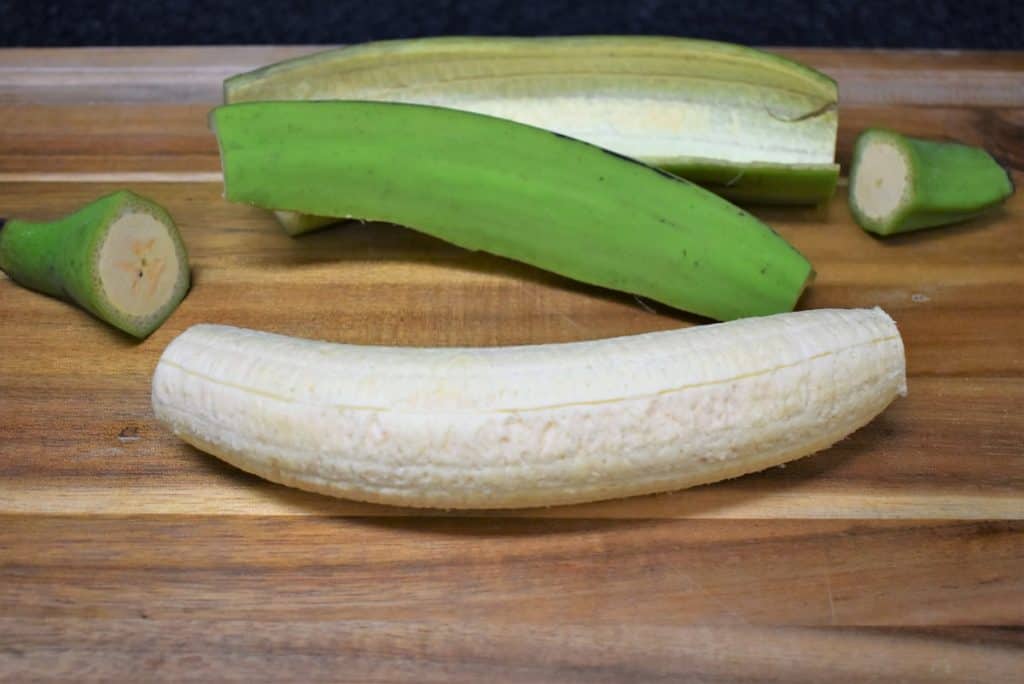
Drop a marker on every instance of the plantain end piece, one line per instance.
(120, 258)
(900, 184)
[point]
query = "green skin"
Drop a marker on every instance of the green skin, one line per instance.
(489, 184)
(60, 258)
(456, 71)
(949, 183)
(751, 183)
(775, 184)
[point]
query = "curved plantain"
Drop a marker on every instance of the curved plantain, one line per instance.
(534, 425)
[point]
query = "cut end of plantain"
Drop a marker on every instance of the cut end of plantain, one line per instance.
(120, 258)
(879, 188)
(142, 268)
(899, 183)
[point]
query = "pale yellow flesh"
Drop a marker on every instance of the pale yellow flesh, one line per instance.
(295, 223)
(530, 426)
(880, 186)
(138, 264)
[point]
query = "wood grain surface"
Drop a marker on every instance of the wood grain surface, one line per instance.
(897, 555)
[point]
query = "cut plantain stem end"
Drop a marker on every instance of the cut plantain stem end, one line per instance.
(120, 258)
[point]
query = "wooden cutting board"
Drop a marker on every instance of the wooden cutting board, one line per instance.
(125, 553)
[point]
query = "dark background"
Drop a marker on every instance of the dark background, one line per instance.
(971, 24)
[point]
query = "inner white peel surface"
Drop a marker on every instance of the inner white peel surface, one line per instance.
(732, 130)
(651, 99)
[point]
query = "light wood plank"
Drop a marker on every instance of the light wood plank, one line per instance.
(422, 651)
(514, 571)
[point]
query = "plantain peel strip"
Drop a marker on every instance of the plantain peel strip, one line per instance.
(517, 191)
(749, 125)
